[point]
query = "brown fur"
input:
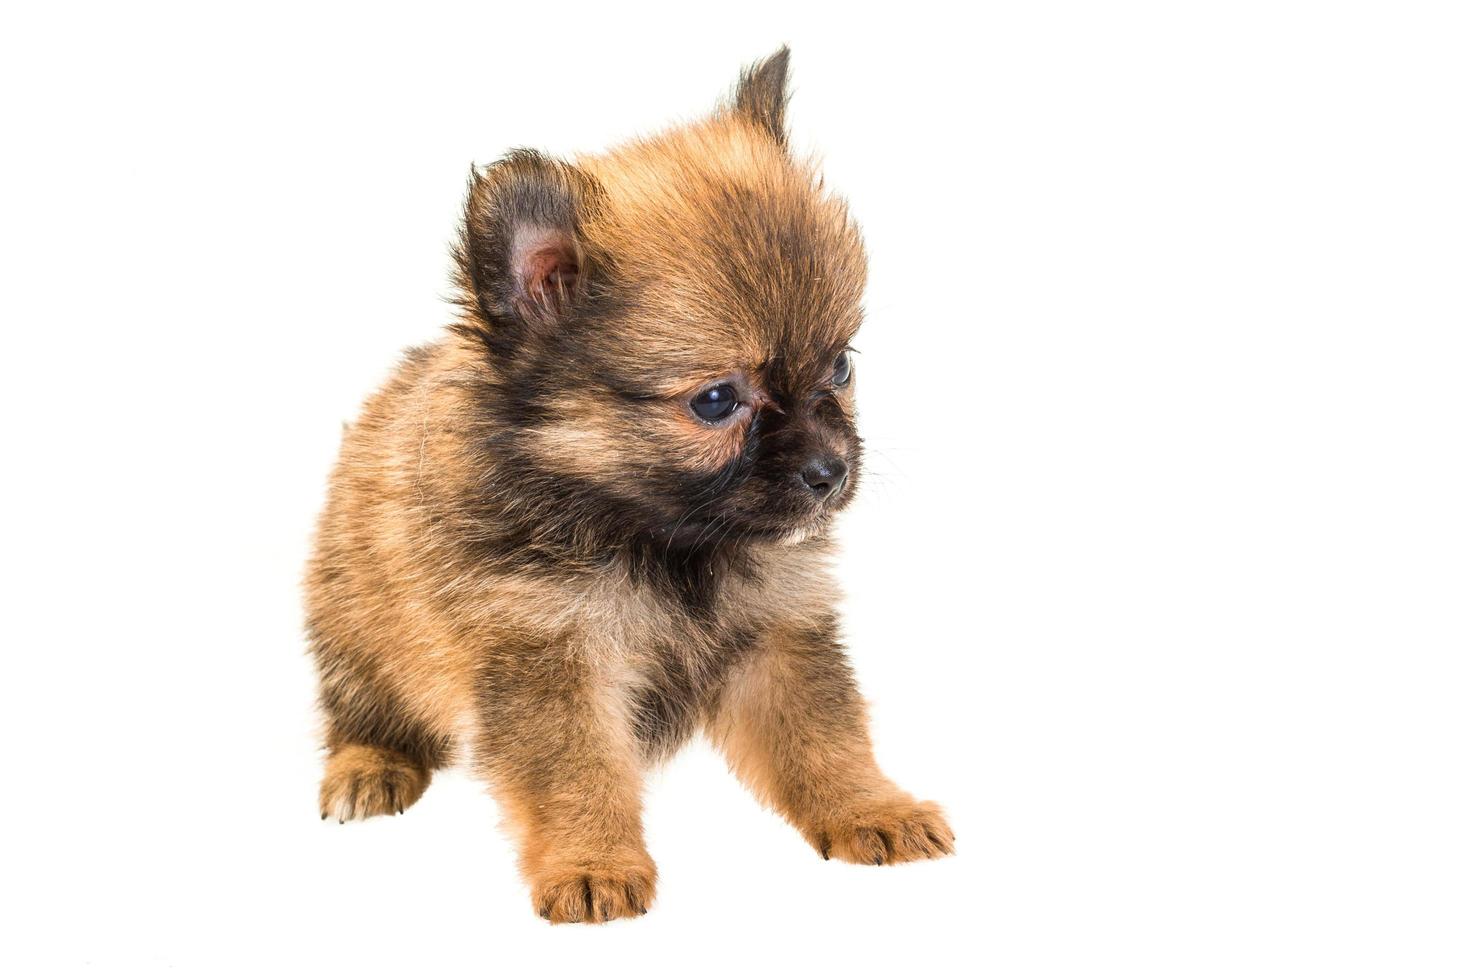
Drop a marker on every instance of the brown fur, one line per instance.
(533, 547)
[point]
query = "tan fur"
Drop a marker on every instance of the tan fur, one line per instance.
(366, 781)
(570, 665)
(814, 765)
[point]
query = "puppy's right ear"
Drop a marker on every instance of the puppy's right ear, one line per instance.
(521, 257)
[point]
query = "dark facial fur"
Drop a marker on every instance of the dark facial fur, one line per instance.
(612, 292)
(595, 519)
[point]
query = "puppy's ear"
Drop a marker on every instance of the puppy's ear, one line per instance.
(760, 96)
(521, 257)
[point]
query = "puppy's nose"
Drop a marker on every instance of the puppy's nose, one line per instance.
(824, 475)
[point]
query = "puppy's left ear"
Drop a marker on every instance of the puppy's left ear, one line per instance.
(521, 253)
(760, 95)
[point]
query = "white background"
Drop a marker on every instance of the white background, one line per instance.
(1159, 582)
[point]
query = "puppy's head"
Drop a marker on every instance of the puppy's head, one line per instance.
(670, 325)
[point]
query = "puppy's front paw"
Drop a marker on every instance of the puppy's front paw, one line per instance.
(593, 891)
(885, 833)
(365, 781)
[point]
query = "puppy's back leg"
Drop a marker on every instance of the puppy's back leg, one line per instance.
(380, 759)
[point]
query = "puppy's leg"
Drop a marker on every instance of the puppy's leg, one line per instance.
(379, 758)
(792, 725)
(557, 747)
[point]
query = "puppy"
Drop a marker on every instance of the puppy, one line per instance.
(593, 519)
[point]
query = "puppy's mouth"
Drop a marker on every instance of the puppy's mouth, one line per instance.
(730, 529)
(792, 529)
(801, 533)
(788, 512)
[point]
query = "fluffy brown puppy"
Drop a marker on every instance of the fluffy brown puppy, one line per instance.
(593, 519)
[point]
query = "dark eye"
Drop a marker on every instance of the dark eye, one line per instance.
(715, 403)
(842, 371)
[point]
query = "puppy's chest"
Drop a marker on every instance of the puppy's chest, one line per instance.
(704, 635)
(682, 673)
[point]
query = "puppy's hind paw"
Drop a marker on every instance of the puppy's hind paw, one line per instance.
(365, 781)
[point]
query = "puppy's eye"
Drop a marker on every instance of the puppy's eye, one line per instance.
(842, 371)
(715, 403)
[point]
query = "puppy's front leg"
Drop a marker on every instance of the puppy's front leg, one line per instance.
(557, 748)
(792, 725)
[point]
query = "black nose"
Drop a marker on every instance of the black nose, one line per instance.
(824, 475)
